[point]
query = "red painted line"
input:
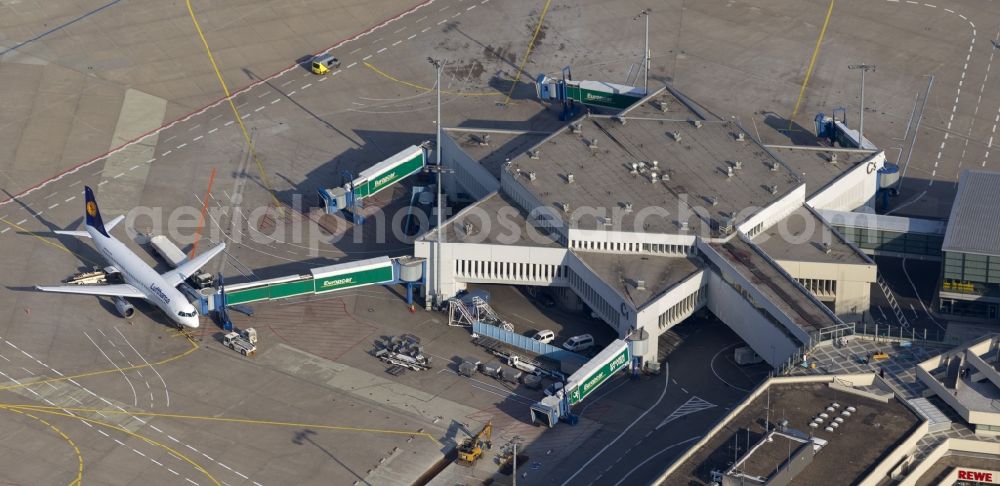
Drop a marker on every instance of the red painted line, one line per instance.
(204, 211)
(209, 106)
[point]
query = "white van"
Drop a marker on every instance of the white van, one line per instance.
(544, 336)
(579, 343)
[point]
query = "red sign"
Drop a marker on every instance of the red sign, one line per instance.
(973, 475)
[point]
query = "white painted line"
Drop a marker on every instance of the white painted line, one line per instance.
(168, 152)
(349, 66)
(929, 5)
(192, 448)
(190, 481)
(306, 86)
(244, 117)
(75, 183)
(196, 126)
(156, 429)
(2, 232)
(50, 195)
(54, 206)
(443, 21)
(119, 175)
(173, 439)
(259, 108)
(369, 56)
(456, 15)
(470, 8)
(213, 130)
(103, 433)
(158, 463)
(241, 475)
(286, 83)
(207, 456)
(442, 9)
(182, 145)
(150, 161)
(120, 442)
(396, 43)
(170, 138)
(225, 466)
(322, 79)
(949, 10)
(411, 37)
(134, 167)
(70, 199)
(381, 50)
(199, 137)
(265, 94)
(230, 122)
(28, 371)
(137, 452)
(171, 470)
(292, 93)
(399, 30)
(355, 50)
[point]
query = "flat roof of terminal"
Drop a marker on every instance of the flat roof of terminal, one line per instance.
(864, 439)
(696, 165)
(623, 271)
(780, 289)
(492, 148)
(814, 166)
(974, 221)
(494, 220)
(801, 235)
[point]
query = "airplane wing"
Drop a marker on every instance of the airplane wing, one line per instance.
(117, 290)
(188, 268)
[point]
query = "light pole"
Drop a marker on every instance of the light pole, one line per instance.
(861, 118)
(438, 168)
(645, 53)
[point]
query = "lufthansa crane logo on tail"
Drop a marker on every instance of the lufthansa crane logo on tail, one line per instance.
(91, 209)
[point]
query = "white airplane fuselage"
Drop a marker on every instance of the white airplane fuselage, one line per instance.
(139, 274)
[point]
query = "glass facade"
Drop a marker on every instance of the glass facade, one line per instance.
(892, 241)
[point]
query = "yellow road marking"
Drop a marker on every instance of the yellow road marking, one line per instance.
(79, 457)
(531, 45)
(425, 88)
(812, 62)
(246, 135)
(120, 429)
(223, 419)
(104, 372)
(43, 240)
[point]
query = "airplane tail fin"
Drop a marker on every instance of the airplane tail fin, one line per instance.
(92, 213)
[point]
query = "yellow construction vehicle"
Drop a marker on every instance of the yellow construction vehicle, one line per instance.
(472, 448)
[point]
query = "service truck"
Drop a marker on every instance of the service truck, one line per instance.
(243, 341)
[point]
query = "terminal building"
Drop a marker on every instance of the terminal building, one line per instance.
(970, 283)
(651, 214)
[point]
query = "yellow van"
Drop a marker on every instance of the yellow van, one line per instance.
(323, 63)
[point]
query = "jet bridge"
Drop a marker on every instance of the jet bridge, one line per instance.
(373, 180)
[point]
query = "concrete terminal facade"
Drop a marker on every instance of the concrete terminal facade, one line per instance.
(646, 216)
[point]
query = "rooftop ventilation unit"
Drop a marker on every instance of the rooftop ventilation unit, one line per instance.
(593, 143)
(740, 137)
(726, 225)
(774, 166)
(737, 164)
(564, 207)
(826, 248)
(635, 168)
(664, 107)
(468, 229)
(773, 189)
(714, 201)
(833, 159)
(569, 178)
(608, 222)
(697, 123)
(576, 128)
(653, 177)
(729, 171)
(620, 119)
(532, 176)
(628, 207)
(483, 140)
(640, 285)
(684, 226)
(655, 163)
(676, 136)
(665, 177)
(533, 154)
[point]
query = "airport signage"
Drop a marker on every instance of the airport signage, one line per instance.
(353, 279)
(412, 161)
(594, 380)
(979, 476)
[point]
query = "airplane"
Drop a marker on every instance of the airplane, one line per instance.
(141, 281)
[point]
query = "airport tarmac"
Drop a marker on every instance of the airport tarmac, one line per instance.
(80, 79)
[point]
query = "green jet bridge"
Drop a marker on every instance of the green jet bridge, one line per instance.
(614, 358)
(373, 271)
(590, 93)
(373, 180)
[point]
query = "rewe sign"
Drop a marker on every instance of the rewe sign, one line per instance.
(988, 477)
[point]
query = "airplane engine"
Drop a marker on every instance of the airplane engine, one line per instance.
(124, 308)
